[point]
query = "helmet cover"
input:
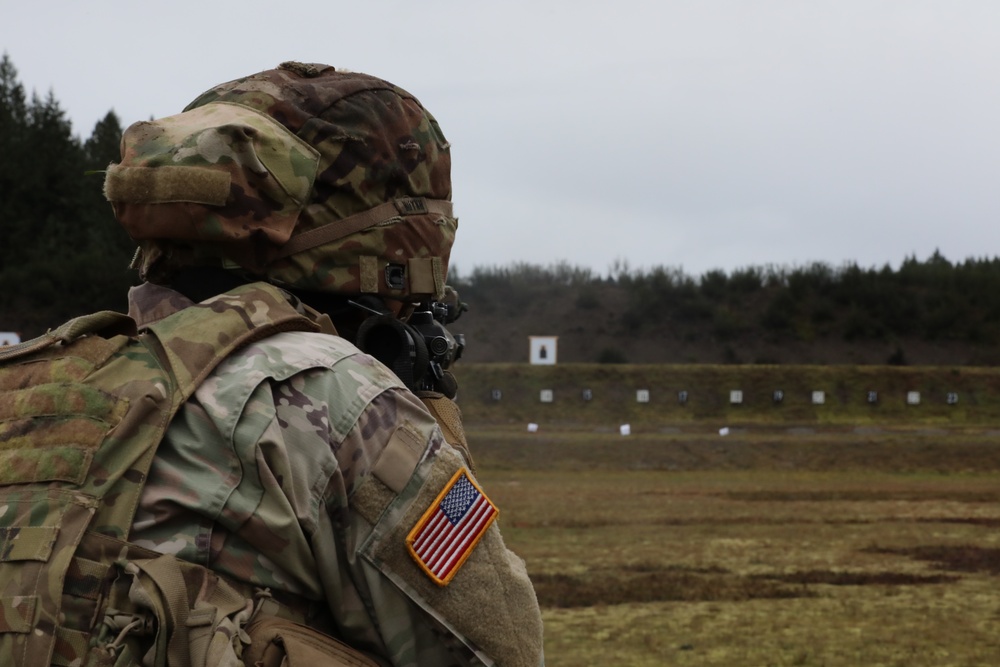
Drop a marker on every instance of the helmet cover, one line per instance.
(306, 176)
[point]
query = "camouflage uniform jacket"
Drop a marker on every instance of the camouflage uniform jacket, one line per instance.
(301, 465)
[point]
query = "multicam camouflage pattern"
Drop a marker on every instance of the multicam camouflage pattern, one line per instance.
(79, 425)
(376, 144)
(270, 474)
(244, 474)
(222, 175)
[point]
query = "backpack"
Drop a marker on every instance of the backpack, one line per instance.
(82, 411)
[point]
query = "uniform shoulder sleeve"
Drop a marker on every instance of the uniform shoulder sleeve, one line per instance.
(433, 537)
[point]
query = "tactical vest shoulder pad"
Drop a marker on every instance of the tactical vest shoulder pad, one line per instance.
(82, 411)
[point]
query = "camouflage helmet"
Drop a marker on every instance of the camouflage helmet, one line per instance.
(304, 175)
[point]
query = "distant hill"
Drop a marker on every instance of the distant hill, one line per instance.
(925, 313)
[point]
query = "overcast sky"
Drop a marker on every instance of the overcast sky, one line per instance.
(696, 134)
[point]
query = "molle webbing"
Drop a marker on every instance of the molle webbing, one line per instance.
(105, 322)
(81, 417)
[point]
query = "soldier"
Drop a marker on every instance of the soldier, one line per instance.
(284, 489)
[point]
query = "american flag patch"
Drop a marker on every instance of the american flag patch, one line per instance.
(450, 529)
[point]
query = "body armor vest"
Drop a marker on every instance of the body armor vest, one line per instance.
(82, 411)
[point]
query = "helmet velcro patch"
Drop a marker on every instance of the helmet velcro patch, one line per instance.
(221, 173)
(148, 185)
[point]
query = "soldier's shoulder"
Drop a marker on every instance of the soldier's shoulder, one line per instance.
(286, 354)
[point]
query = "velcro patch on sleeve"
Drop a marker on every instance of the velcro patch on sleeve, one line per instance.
(449, 530)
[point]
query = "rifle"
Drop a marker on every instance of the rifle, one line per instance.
(420, 350)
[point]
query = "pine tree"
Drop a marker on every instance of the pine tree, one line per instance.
(13, 121)
(63, 253)
(112, 247)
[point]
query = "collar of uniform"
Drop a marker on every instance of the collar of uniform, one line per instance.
(149, 303)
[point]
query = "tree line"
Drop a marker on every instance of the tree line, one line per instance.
(932, 304)
(62, 254)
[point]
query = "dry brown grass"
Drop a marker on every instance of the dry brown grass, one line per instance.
(756, 565)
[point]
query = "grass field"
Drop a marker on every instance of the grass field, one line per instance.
(777, 546)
